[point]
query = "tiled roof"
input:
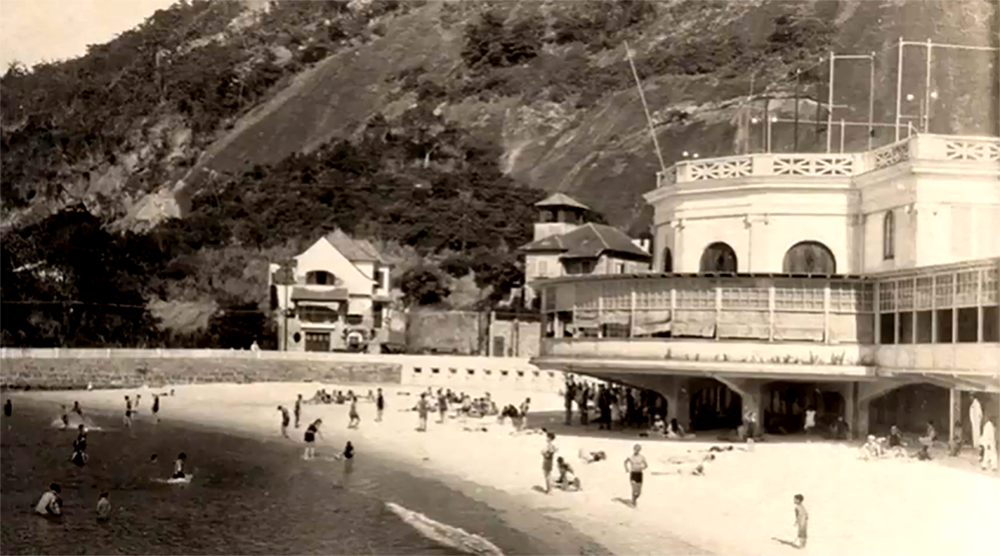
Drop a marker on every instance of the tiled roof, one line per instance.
(354, 250)
(588, 241)
(561, 200)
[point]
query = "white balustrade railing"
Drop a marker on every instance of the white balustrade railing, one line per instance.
(918, 147)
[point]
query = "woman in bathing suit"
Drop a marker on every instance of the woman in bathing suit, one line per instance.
(311, 433)
(634, 466)
(548, 455)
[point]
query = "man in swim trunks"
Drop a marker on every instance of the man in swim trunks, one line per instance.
(50, 504)
(285, 420)
(156, 407)
(379, 406)
(128, 412)
(298, 410)
(310, 437)
(355, 419)
(179, 466)
(634, 466)
(548, 455)
(79, 457)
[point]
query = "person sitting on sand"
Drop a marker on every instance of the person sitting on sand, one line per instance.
(50, 504)
(930, 436)
(179, 466)
(567, 479)
(103, 507)
(310, 437)
(676, 430)
(659, 426)
(871, 448)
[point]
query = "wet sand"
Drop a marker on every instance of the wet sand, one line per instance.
(739, 506)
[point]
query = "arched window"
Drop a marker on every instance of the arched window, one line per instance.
(809, 257)
(889, 236)
(320, 277)
(718, 257)
(668, 260)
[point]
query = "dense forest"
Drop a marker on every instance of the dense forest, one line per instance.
(428, 191)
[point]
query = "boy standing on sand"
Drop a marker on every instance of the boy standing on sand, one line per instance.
(422, 412)
(355, 418)
(298, 410)
(634, 466)
(285, 420)
(801, 521)
(525, 406)
(548, 455)
(379, 406)
(442, 406)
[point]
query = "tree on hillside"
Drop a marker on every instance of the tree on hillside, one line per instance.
(423, 285)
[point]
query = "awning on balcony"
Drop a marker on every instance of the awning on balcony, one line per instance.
(648, 323)
(338, 294)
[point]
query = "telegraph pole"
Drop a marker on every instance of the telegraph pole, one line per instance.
(649, 118)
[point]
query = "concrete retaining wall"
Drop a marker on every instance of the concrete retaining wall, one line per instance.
(128, 368)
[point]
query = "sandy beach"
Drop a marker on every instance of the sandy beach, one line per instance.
(742, 502)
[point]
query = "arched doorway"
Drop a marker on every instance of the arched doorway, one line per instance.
(668, 260)
(809, 257)
(718, 257)
(909, 408)
(785, 405)
(714, 406)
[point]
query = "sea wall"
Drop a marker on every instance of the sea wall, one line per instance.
(129, 368)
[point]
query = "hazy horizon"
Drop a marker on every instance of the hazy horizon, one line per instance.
(30, 35)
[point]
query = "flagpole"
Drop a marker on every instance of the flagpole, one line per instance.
(645, 107)
(796, 133)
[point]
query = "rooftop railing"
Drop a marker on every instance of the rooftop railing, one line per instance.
(918, 147)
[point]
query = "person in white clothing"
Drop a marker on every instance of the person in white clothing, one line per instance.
(989, 442)
(976, 416)
(810, 421)
(50, 504)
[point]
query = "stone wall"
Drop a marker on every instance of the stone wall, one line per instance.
(129, 370)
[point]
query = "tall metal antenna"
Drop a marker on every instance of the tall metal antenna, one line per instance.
(649, 118)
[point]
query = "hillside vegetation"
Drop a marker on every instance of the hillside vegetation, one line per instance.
(151, 180)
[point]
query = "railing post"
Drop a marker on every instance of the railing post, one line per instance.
(934, 316)
(954, 307)
(631, 314)
(600, 311)
(673, 306)
(770, 312)
(913, 309)
(979, 305)
(895, 315)
(826, 312)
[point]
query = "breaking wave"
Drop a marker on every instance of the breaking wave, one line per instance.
(446, 535)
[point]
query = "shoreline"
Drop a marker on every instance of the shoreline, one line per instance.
(740, 504)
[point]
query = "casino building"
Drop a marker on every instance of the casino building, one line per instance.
(865, 285)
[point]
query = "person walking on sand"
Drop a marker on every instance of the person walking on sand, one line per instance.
(801, 522)
(310, 437)
(156, 407)
(285, 420)
(422, 410)
(355, 419)
(976, 416)
(442, 406)
(298, 410)
(988, 441)
(525, 407)
(379, 406)
(548, 459)
(50, 504)
(103, 507)
(634, 466)
(128, 412)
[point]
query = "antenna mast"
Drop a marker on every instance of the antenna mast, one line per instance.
(649, 118)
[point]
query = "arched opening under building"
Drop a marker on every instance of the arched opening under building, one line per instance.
(909, 408)
(785, 405)
(714, 406)
(668, 260)
(718, 257)
(809, 257)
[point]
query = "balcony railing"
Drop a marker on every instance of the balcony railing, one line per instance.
(918, 147)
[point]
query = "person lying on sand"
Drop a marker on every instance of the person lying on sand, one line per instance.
(475, 429)
(592, 457)
(567, 479)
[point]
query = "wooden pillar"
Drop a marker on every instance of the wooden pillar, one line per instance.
(600, 311)
(877, 307)
(718, 309)
(826, 312)
(954, 307)
(895, 314)
(631, 314)
(770, 312)
(934, 317)
(913, 310)
(979, 306)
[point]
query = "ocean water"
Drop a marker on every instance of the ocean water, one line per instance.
(247, 497)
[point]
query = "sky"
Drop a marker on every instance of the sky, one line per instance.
(32, 31)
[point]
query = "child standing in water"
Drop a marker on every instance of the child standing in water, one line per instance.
(801, 521)
(310, 437)
(156, 407)
(285, 420)
(103, 507)
(634, 466)
(79, 457)
(179, 466)
(128, 412)
(379, 406)
(50, 504)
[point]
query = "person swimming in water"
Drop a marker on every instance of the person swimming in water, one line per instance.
(76, 409)
(103, 507)
(310, 437)
(50, 505)
(179, 466)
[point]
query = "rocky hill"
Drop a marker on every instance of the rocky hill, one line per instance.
(260, 124)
